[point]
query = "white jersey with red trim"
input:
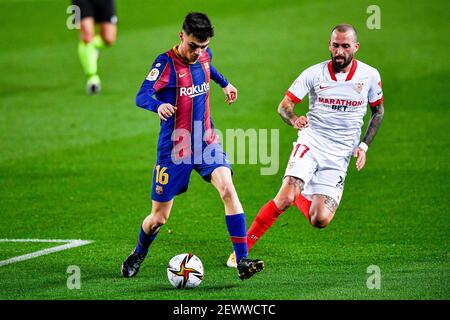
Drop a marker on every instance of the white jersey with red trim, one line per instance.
(337, 104)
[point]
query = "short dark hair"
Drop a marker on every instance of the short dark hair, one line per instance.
(344, 27)
(199, 25)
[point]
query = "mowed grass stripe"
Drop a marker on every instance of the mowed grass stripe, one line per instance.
(80, 167)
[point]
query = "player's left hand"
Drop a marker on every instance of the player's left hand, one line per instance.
(230, 93)
(360, 156)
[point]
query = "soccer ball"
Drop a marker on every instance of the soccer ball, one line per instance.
(185, 271)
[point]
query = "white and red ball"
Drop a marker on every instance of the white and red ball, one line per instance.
(185, 271)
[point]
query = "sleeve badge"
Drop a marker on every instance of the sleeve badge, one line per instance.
(153, 74)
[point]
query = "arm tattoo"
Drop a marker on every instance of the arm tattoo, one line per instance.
(286, 111)
(374, 123)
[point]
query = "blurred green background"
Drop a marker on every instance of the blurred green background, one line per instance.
(75, 166)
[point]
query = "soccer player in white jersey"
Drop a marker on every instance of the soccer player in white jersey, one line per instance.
(339, 91)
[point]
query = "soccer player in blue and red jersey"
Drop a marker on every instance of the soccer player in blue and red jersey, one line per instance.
(177, 88)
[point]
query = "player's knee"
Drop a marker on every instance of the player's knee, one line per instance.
(87, 37)
(288, 193)
(285, 201)
(157, 221)
(152, 223)
(156, 224)
(319, 223)
(227, 191)
(108, 40)
(320, 218)
(87, 33)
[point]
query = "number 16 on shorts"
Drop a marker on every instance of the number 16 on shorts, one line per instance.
(161, 176)
(161, 180)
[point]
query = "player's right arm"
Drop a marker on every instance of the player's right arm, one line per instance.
(286, 111)
(294, 95)
(156, 80)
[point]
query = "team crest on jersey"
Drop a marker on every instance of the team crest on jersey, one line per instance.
(206, 65)
(153, 74)
(159, 190)
(359, 86)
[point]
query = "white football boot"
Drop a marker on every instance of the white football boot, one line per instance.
(231, 262)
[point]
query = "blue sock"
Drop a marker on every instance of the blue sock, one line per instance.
(238, 234)
(144, 241)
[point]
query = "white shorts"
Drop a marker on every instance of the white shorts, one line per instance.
(321, 172)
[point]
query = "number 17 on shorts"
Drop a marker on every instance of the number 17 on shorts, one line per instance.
(301, 164)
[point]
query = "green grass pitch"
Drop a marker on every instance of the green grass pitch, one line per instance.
(79, 167)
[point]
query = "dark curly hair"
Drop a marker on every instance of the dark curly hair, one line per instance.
(199, 25)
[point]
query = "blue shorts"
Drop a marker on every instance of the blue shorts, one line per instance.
(171, 179)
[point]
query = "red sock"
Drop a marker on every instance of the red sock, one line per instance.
(303, 205)
(266, 217)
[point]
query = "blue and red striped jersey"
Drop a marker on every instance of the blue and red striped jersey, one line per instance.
(185, 86)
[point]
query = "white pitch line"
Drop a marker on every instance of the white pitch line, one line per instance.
(39, 240)
(71, 244)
